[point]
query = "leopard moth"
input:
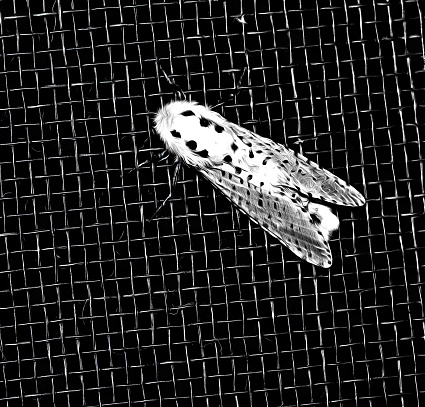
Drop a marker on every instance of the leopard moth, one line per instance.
(283, 192)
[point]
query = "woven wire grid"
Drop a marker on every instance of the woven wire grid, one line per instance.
(200, 306)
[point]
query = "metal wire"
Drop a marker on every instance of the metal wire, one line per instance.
(201, 307)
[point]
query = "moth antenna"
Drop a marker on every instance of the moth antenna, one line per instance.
(177, 90)
(232, 95)
(172, 190)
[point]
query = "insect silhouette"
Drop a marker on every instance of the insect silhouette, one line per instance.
(283, 192)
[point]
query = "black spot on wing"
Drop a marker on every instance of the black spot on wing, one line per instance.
(218, 128)
(175, 133)
(315, 219)
(238, 170)
(188, 113)
(203, 153)
(247, 143)
(251, 154)
(234, 147)
(249, 177)
(192, 144)
(204, 122)
(227, 159)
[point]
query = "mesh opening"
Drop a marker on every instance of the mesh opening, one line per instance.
(201, 307)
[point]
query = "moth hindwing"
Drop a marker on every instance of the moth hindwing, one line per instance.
(283, 192)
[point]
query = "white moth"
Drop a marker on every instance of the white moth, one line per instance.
(283, 192)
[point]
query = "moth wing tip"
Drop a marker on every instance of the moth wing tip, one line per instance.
(326, 263)
(361, 200)
(355, 198)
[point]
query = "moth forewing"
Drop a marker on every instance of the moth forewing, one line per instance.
(283, 192)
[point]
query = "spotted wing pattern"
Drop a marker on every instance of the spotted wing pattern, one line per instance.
(284, 192)
(291, 223)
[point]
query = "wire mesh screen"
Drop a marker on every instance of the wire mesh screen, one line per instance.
(201, 307)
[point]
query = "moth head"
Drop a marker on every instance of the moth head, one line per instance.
(193, 132)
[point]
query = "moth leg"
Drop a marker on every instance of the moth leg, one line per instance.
(156, 158)
(161, 156)
(177, 90)
(172, 190)
(236, 220)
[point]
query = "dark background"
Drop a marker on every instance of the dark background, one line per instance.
(201, 307)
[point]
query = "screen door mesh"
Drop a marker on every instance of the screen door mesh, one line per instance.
(200, 307)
